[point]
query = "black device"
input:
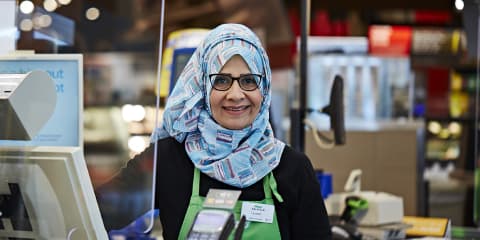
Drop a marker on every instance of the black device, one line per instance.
(212, 224)
(336, 111)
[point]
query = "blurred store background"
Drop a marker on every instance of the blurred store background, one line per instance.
(406, 64)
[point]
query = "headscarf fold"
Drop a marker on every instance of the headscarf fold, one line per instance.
(236, 157)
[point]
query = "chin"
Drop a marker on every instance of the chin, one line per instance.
(235, 126)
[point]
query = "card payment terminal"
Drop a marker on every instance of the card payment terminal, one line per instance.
(212, 224)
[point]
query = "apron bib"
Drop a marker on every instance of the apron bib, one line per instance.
(253, 230)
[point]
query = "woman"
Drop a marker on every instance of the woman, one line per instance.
(216, 134)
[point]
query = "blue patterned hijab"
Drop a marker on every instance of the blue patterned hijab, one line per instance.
(236, 157)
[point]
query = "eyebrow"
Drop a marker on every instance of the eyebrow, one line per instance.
(241, 74)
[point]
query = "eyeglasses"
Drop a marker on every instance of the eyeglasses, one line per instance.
(223, 82)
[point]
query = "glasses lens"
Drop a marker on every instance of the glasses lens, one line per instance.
(221, 82)
(249, 82)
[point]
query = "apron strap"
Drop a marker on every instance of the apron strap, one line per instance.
(269, 186)
(196, 182)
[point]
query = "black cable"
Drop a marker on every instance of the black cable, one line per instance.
(240, 228)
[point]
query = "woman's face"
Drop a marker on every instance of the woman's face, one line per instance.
(235, 108)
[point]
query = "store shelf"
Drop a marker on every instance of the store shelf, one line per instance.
(438, 60)
(450, 119)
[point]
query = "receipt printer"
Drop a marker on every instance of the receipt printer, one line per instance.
(383, 208)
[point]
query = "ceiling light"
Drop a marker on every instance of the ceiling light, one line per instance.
(92, 13)
(27, 7)
(434, 127)
(64, 2)
(459, 4)
(50, 5)
(26, 25)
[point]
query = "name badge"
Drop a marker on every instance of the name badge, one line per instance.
(257, 212)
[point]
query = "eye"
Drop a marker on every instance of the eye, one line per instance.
(221, 80)
(249, 80)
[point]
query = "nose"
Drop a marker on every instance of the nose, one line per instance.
(235, 92)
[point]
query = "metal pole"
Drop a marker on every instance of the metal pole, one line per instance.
(297, 114)
(476, 194)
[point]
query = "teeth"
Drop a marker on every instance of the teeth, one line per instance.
(235, 108)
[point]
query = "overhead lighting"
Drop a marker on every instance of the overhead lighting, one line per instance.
(459, 4)
(64, 2)
(26, 25)
(50, 5)
(137, 144)
(434, 127)
(27, 7)
(126, 112)
(455, 128)
(138, 113)
(133, 113)
(36, 21)
(45, 20)
(92, 13)
(41, 21)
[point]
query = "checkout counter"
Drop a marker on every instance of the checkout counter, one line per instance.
(390, 157)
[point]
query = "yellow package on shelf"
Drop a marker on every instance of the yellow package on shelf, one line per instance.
(433, 227)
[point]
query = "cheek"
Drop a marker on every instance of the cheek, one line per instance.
(214, 101)
(257, 100)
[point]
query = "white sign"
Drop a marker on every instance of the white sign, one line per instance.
(257, 212)
(8, 29)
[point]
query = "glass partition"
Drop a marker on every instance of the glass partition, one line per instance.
(119, 118)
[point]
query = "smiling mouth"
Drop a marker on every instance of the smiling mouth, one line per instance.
(236, 109)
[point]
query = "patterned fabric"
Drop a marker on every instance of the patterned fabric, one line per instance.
(236, 157)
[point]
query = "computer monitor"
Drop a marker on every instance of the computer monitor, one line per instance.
(181, 56)
(180, 46)
(45, 188)
(64, 128)
(46, 193)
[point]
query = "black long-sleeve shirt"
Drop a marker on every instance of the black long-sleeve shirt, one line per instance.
(301, 215)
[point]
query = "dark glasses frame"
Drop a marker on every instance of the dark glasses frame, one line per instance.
(239, 79)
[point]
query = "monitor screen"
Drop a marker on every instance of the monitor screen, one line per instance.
(180, 46)
(46, 193)
(64, 128)
(181, 56)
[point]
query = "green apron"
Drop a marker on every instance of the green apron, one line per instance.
(253, 230)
